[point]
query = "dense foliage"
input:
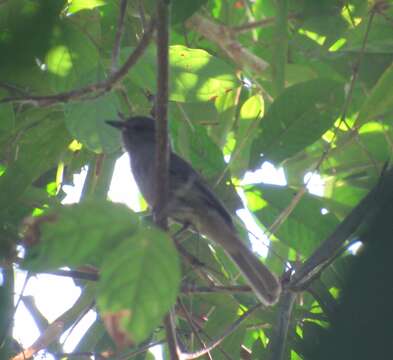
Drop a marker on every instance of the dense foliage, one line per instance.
(305, 85)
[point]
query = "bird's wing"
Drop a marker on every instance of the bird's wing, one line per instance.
(183, 175)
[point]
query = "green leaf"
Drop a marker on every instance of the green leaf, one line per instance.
(199, 75)
(86, 122)
(380, 99)
(78, 5)
(73, 59)
(360, 156)
(182, 10)
(379, 39)
(305, 227)
(195, 74)
(140, 279)
(297, 118)
(251, 113)
(74, 235)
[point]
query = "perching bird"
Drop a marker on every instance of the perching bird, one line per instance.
(191, 201)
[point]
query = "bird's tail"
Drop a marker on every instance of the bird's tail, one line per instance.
(264, 283)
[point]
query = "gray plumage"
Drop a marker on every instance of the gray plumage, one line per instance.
(192, 202)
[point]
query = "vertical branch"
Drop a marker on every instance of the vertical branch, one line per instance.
(119, 33)
(162, 144)
(279, 339)
(162, 148)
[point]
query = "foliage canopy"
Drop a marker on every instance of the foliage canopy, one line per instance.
(305, 85)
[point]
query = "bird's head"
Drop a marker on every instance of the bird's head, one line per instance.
(135, 130)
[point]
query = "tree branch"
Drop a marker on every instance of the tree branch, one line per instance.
(162, 149)
(103, 86)
(192, 289)
(119, 34)
(223, 37)
(278, 340)
(161, 104)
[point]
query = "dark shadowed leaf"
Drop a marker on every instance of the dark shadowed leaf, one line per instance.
(297, 118)
(39, 149)
(181, 10)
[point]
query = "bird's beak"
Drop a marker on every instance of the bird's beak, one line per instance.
(117, 124)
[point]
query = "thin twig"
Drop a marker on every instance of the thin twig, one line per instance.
(217, 341)
(139, 351)
(12, 88)
(192, 289)
(193, 327)
(119, 34)
(103, 86)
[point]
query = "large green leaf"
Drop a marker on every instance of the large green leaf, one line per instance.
(74, 235)
(297, 118)
(86, 122)
(140, 279)
(305, 227)
(195, 74)
(139, 268)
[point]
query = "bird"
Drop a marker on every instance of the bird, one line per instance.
(192, 202)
